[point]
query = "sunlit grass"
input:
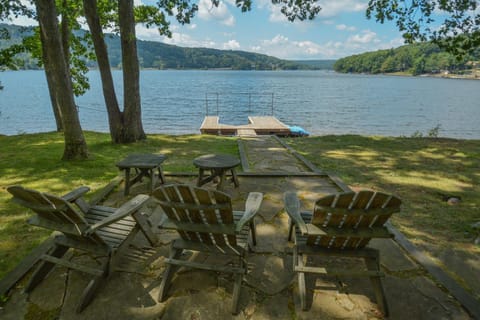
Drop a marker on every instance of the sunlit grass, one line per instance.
(422, 171)
(35, 162)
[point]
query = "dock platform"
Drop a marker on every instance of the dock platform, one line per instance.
(259, 125)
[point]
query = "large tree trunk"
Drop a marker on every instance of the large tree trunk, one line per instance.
(75, 144)
(115, 116)
(131, 73)
(51, 87)
(53, 95)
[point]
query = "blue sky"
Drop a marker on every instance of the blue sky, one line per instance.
(341, 29)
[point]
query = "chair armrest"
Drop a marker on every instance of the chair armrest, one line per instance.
(252, 206)
(126, 209)
(75, 194)
(292, 206)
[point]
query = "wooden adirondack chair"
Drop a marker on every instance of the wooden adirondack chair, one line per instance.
(95, 229)
(206, 222)
(341, 225)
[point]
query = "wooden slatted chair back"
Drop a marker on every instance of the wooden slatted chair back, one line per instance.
(198, 214)
(362, 211)
(53, 212)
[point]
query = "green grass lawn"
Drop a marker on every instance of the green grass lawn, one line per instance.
(422, 171)
(33, 160)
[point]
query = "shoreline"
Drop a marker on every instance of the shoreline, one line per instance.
(439, 138)
(475, 76)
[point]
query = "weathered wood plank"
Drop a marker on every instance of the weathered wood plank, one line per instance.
(265, 125)
(243, 155)
(198, 227)
(203, 266)
(292, 206)
(204, 197)
(11, 278)
(465, 298)
(72, 265)
(347, 273)
(379, 232)
(105, 191)
(125, 210)
(237, 250)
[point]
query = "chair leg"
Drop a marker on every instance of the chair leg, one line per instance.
(168, 274)
(302, 288)
(161, 176)
(92, 287)
(238, 285)
(253, 232)
(89, 293)
(373, 264)
(45, 267)
(236, 292)
(235, 178)
(290, 229)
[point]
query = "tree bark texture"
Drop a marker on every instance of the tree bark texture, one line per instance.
(115, 116)
(51, 87)
(75, 144)
(131, 73)
(53, 95)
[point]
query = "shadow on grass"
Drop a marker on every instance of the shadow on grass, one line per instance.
(34, 161)
(424, 172)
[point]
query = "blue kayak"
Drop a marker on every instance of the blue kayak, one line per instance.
(298, 131)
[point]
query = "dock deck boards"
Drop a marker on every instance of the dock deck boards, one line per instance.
(259, 125)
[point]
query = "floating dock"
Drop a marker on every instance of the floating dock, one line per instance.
(263, 125)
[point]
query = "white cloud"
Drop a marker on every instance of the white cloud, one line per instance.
(366, 37)
(278, 39)
(396, 42)
(184, 40)
(334, 8)
(149, 34)
(207, 11)
(284, 48)
(344, 27)
(231, 45)
(21, 20)
(276, 14)
(152, 33)
(359, 43)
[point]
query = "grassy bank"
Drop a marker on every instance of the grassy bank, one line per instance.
(422, 171)
(34, 161)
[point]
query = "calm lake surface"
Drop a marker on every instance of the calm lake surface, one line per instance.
(175, 102)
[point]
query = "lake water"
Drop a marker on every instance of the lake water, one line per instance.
(175, 102)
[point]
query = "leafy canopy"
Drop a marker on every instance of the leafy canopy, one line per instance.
(452, 24)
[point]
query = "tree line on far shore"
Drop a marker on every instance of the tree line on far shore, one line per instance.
(157, 55)
(415, 59)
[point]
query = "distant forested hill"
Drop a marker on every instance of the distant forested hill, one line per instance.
(163, 56)
(414, 59)
(317, 64)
